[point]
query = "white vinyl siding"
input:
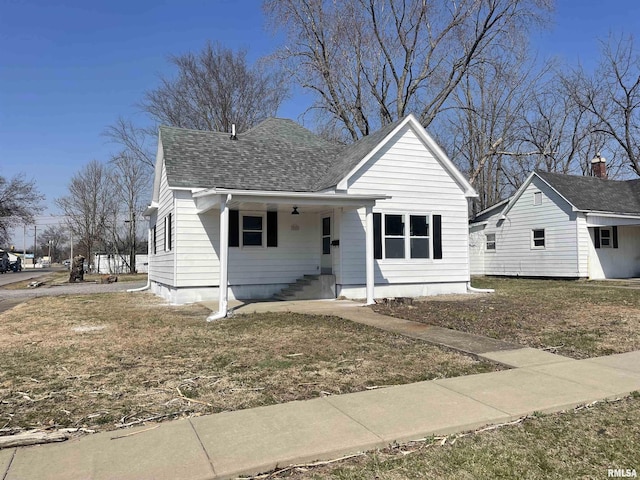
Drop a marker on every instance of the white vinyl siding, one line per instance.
(196, 244)
(621, 262)
(408, 171)
(515, 252)
(163, 262)
(297, 253)
(584, 245)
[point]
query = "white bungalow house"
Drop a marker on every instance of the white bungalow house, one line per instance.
(559, 225)
(244, 216)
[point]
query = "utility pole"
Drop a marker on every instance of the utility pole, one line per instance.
(24, 245)
(35, 244)
(132, 242)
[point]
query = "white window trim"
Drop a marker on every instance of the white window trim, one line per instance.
(168, 232)
(264, 229)
(487, 241)
(610, 238)
(407, 237)
(544, 238)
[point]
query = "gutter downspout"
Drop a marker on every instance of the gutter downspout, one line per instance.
(223, 285)
(471, 289)
(148, 285)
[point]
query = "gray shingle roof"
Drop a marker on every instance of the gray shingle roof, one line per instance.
(596, 194)
(276, 155)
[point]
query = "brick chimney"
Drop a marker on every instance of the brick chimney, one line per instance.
(599, 166)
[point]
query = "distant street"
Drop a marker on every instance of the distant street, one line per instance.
(11, 277)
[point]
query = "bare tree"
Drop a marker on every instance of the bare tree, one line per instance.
(131, 181)
(19, 202)
(611, 95)
(370, 62)
(89, 206)
(483, 131)
(56, 237)
(137, 142)
(214, 89)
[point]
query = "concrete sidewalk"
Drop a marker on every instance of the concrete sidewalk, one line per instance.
(256, 440)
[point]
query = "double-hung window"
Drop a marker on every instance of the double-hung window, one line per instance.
(491, 242)
(419, 236)
(252, 230)
(394, 236)
(537, 238)
(404, 236)
(605, 238)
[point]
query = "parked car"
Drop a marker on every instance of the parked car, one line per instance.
(15, 263)
(67, 263)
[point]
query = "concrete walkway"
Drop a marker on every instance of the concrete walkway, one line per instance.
(250, 441)
(256, 440)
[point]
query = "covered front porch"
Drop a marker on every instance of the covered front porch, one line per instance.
(266, 240)
(614, 250)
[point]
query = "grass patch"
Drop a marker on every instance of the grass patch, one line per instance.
(574, 444)
(574, 318)
(98, 360)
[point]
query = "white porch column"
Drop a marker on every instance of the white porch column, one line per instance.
(224, 253)
(370, 276)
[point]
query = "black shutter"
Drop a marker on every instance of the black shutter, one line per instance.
(272, 229)
(615, 237)
(170, 231)
(234, 228)
(377, 235)
(437, 237)
(596, 237)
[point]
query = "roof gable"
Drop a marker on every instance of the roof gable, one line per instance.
(590, 194)
(383, 136)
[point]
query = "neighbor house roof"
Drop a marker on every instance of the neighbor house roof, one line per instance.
(276, 155)
(596, 194)
(589, 194)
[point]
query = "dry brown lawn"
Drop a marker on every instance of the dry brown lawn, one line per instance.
(574, 318)
(101, 361)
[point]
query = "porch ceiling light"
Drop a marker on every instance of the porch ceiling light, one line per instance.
(295, 211)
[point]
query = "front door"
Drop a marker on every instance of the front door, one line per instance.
(326, 263)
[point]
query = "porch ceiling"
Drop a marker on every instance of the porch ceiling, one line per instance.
(609, 220)
(306, 202)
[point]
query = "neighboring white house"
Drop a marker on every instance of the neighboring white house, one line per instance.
(245, 216)
(561, 226)
(110, 263)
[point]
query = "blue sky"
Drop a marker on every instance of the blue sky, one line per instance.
(68, 69)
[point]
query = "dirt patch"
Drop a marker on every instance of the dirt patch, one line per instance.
(104, 360)
(569, 318)
(88, 328)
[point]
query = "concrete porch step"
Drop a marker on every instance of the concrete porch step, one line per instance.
(309, 287)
